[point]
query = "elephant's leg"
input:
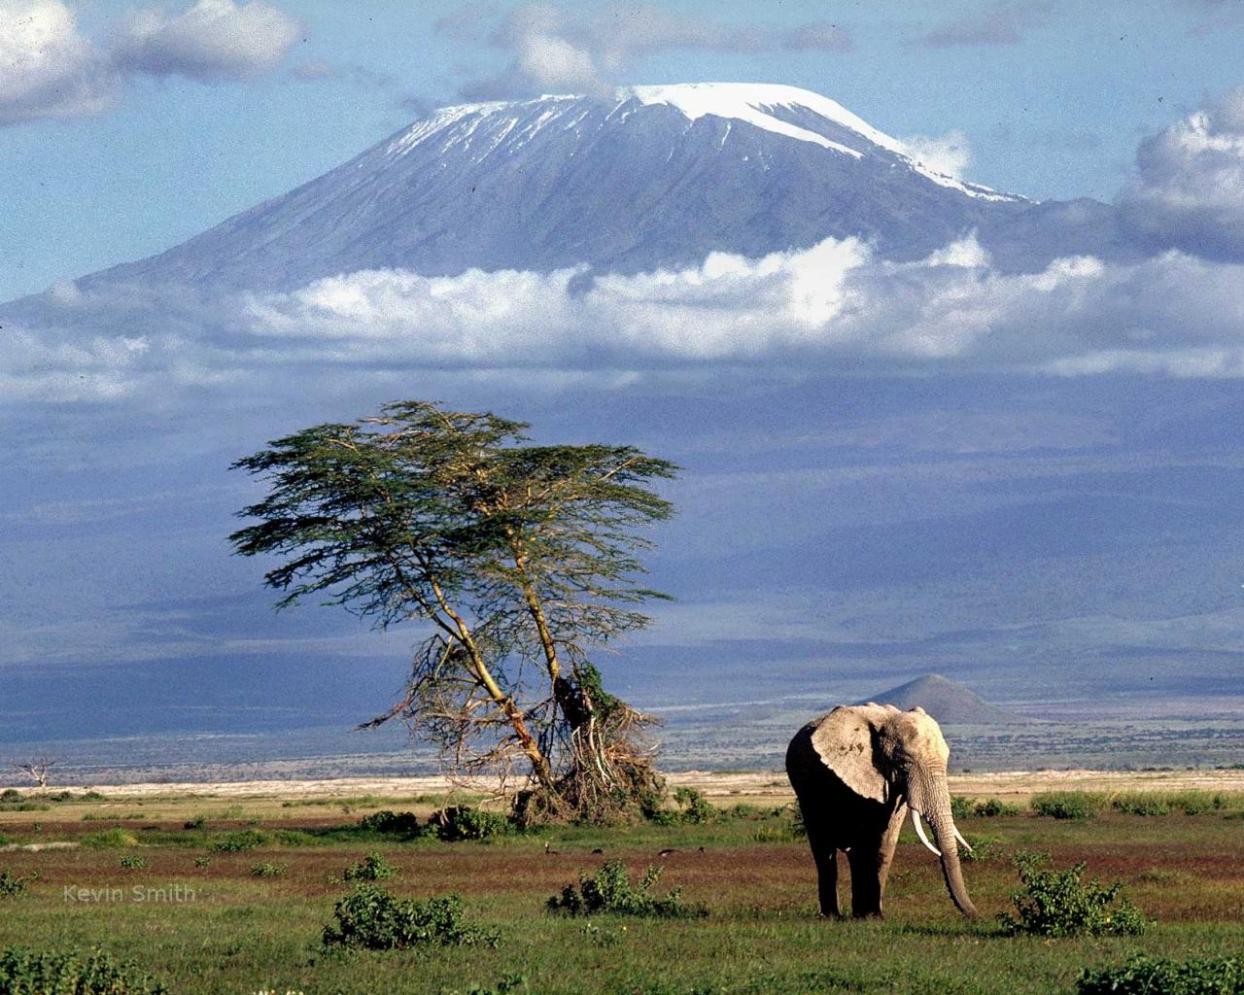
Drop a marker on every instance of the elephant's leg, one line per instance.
(826, 856)
(866, 880)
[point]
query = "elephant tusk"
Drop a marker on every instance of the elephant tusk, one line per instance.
(959, 836)
(915, 821)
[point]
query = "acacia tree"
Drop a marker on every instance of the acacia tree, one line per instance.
(520, 558)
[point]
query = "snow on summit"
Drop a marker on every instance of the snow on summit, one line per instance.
(783, 110)
(647, 178)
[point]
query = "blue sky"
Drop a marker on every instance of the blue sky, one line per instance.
(1051, 98)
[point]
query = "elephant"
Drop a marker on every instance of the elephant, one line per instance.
(857, 772)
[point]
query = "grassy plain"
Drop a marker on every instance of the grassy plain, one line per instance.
(204, 921)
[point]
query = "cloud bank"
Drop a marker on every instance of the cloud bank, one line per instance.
(48, 69)
(833, 307)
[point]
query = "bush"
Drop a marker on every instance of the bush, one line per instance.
(110, 838)
(1142, 975)
(611, 891)
(1066, 805)
(198, 822)
(391, 823)
(28, 972)
(10, 795)
(372, 918)
(11, 885)
(695, 807)
(1165, 802)
(133, 862)
(246, 839)
(267, 870)
(991, 808)
(1059, 903)
(463, 823)
(373, 867)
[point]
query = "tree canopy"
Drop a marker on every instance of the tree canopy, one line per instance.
(520, 559)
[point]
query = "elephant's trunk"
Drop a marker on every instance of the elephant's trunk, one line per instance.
(934, 802)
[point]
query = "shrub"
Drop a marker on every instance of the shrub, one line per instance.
(610, 890)
(460, 822)
(991, 808)
(1142, 975)
(1141, 804)
(202, 861)
(372, 918)
(960, 808)
(1066, 805)
(10, 795)
(391, 823)
(28, 972)
(11, 885)
(267, 870)
(110, 838)
(246, 839)
(133, 862)
(373, 867)
(198, 822)
(695, 807)
(1059, 903)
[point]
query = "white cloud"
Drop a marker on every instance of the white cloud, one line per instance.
(950, 154)
(833, 306)
(211, 40)
(558, 48)
(47, 69)
(1189, 187)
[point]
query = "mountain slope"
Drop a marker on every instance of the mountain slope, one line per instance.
(947, 701)
(653, 177)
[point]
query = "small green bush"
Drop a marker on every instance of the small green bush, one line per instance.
(110, 838)
(1059, 903)
(1066, 805)
(460, 822)
(133, 862)
(610, 890)
(992, 808)
(267, 870)
(1142, 975)
(246, 839)
(695, 807)
(10, 795)
(373, 919)
(373, 867)
(202, 861)
(198, 822)
(391, 823)
(29, 972)
(11, 885)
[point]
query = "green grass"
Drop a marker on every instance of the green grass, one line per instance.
(228, 930)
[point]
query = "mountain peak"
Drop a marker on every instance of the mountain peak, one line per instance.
(947, 701)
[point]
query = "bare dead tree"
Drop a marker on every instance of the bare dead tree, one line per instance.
(37, 769)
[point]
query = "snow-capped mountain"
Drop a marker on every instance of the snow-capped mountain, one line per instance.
(652, 177)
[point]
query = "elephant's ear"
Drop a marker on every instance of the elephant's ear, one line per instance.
(844, 742)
